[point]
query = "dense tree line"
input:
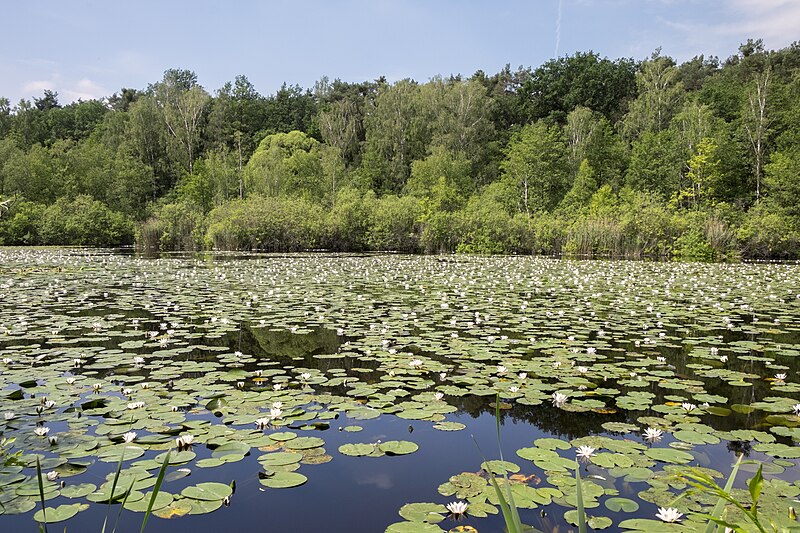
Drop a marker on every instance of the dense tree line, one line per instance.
(581, 155)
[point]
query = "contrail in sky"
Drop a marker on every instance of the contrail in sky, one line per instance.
(558, 28)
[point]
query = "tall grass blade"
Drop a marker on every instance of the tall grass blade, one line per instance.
(579, 497)
(113, 488)
(122, 505)
(156, 488)
(41, 495)
(716, 512)
(512, 506)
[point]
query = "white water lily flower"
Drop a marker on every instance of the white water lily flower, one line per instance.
(723, 358)
(438, 396)
(7, 360)
(276, 387)
(138, 360)
(53, 440)
(11, 416)
(305, 376)
(277, 405)
(502, 370)
(780, 377)
(585, 453)
(796, 408)
(184, 441)
(415, 363)
(129, 436)
(52, 475)
(127, 392)
(457, 508)
(275, 413)
(559, 399)
(442, 376)
(523, 375)
(583, 369)
(97, 386)
(135, 405)
(262, 423)
(49, 404)
(70, 380)
(653, 434)
(688, 407)
(556, 364)
(668, 514)
(513, 389)
(240, 384)
(41, 431)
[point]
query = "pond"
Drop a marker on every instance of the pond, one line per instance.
(359, 393)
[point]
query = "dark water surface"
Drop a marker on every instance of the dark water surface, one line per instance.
(374, 314)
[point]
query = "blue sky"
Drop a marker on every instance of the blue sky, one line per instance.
(91, 48)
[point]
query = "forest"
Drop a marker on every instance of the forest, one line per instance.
(582, 156)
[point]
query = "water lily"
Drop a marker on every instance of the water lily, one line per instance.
(653, 434)
(97, 386)
(53, 439)
(780, 377)
(668, 514)
(277, 405)
(583, 369)
(559, 399)
(277, 387)
(661, 359)
(41, 430)
(457, 508)
(138, 360)
(796, 408)
(415, 363)
(70, 380)
(523, 375)
(49, 404)
(129, 436)
(305, 376)
(688, 407)
(556, 364)
(275, 413)
(52, 475)
(438, 396)
(723, 358)
(442, 376)
(502, 370)
(11, 416)
(7, 360)
(184, 442)
(262, 423)
(240, 384)
(127, 392)
(585, 453)
(135, 405)
(513, 389)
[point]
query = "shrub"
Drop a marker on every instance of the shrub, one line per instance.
(84, 222)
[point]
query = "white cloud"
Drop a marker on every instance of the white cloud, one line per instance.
(777, 21)
(84, 89)
(38, 86)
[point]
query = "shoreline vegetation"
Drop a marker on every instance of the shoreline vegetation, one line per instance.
(582, 156)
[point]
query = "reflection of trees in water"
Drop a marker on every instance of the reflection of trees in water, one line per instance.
(740, 447)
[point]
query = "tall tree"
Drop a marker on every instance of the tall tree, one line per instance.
(659, 98)
(182, 103)
(756, 124)
(536, 166)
